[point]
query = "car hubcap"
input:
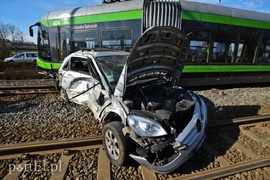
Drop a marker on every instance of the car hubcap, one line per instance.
(112, 144)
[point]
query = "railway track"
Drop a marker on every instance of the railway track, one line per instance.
(23, 87)
(225, 139)
(22, 90)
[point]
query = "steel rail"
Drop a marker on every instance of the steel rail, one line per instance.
(26, 87)
(21, 90)
(27, 82)
(45, 147)
(15, 150)
(25, 93)
(240, 121)
(29, 147)
(222, 172)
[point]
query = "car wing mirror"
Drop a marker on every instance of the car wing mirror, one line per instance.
(31, 33)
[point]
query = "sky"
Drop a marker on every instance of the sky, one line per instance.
(24, 13)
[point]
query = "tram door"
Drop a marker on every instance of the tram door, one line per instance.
(61, 46)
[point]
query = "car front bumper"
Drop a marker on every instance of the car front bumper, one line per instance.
(192, 137)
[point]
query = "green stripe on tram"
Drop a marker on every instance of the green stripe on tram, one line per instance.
(225, 68)
(221, 19)
(47, 65)
(106, 17)
(137, 14)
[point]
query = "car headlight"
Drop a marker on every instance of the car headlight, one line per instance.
(145, 127)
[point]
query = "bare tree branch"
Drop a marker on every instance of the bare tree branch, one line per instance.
(10, 32)
(4, 31)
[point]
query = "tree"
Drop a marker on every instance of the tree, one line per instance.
(9, 33)
(4, 31)
(16, 34)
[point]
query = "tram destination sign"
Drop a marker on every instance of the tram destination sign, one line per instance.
(84, 26)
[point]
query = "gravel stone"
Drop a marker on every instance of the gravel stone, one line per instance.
(25, 118)
(236, 102)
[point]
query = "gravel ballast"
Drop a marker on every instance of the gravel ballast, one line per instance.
(27, 118)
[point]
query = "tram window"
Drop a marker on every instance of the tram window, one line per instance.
(44, 46)
(117, 39)
(77, 45)
(84, 40)
(248, 45)
(90, 43)
(264, 52)
(199, 46)
(223, 48)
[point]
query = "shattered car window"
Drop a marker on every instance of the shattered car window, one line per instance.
(112, 67)
(79, 64)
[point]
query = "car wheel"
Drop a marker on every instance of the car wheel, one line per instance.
(115, 143)
(63, 94)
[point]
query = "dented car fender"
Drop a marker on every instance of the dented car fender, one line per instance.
(114, 109)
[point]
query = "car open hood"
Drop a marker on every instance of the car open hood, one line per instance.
(159, 53)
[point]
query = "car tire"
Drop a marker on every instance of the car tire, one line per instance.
(63, 94)
(115, 143)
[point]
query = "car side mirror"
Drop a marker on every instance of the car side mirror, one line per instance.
(31, 33)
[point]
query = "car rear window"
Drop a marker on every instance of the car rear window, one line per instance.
(31, 55)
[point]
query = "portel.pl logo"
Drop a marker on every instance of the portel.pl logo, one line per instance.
(36, 166)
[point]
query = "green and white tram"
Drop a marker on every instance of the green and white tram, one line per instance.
(227, 45)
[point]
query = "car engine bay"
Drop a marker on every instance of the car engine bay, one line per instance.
(169, 105)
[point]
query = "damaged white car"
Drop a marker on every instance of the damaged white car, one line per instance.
(146, 115)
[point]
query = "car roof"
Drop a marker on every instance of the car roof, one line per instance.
(100, 52)
(26, 52)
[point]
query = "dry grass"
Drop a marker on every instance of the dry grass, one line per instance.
(17, 71)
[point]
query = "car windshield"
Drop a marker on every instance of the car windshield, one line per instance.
(112, 67)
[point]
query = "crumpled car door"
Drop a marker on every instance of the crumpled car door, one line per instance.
(77, 86)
